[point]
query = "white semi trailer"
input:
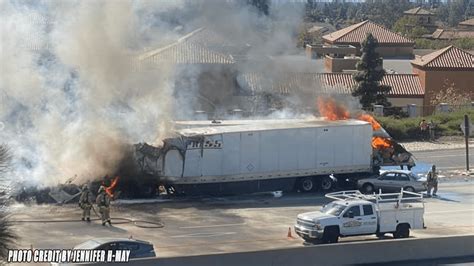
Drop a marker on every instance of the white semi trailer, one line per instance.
(232, 157)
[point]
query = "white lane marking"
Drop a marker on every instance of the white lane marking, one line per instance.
(205, 234)
(210, 226)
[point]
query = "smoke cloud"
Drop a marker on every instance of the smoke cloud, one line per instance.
(74, 93)
(73, 97)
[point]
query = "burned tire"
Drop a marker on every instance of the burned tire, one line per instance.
(368, 188)
(327, 183)
(403, 231)
(306, 184)
(331, 235)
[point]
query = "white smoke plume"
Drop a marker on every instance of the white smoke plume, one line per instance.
(72, 93)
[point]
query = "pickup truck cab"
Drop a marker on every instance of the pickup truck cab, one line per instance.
(353, 213)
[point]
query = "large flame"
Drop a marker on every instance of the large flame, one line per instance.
(377, 142)
(330, 109)
(110, 189)
(381, 143)
(371, 120)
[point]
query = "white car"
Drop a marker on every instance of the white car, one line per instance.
(353, 213)
(393, 181)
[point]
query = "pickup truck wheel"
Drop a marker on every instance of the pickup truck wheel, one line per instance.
(307, 184)
(327, 183)
(368, 188)
(331, 235)
(403, 231)
(406, 232)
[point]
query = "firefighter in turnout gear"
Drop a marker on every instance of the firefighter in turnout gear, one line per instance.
(85, 203)
(103, 202)
(432, 179)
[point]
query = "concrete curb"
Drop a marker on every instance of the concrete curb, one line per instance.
(335, 254)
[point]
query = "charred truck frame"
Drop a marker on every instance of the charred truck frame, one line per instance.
(245, 156)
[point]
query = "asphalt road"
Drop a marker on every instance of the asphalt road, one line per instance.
(243, 223)
(216, 225)
(447, 160)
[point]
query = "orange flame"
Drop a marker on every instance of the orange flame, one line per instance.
(381, 143)
(330, 109)
(377, 142)
(371, 120)
(110, 189)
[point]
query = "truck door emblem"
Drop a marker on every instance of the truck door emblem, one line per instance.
(352, 223)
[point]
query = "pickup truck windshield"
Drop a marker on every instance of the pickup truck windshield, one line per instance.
(333, 209)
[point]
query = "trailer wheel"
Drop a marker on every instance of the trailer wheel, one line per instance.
(306, 184)
(327, 183)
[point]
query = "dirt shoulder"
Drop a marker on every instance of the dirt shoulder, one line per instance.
(443, 143)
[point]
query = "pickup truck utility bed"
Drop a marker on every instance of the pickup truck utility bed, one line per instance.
(353, 213)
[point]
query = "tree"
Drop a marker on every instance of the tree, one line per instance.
(408, 26)
(455, 12)
(469, 9)
(369, 74)
(262, 6)
(7, 236)
(451, 95)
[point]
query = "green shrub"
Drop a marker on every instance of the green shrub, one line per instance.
(446, 124)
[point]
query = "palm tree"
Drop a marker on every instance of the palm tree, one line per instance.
(7, 237)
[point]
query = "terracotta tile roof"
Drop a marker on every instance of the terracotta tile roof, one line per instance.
(469, 22)
(187, 51)
(402, 84)
(443, 34)
(341, 83)
(358, 32)
(418, 11)
(449, 57)
(211, 38)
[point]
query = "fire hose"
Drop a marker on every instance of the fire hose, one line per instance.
(117, 220)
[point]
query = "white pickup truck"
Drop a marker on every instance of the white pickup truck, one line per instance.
(353, 213)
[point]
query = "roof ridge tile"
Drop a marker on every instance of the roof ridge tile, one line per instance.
(448, 57)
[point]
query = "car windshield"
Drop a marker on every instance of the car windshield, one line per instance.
(91, 244)
(333, 209)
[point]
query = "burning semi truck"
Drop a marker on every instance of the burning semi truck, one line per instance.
(245, 156)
